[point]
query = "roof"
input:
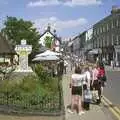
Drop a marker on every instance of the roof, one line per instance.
(5, 46)
(48, 30)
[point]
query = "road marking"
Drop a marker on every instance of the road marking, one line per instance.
(110, 103)
(115, 111)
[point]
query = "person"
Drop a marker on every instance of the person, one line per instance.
(104, 61)
(76, 85)
(102, 78)
(95, 82)
(65, 66)
(86, 87)
(88, 76)
(112, 64)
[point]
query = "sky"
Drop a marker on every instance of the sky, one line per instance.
(68, 17)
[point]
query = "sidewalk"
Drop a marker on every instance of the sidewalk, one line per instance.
(95, 112)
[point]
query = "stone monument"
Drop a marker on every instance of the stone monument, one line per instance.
(23, 51)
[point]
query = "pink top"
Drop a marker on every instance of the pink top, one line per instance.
(95, 73)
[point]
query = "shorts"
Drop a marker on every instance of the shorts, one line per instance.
(77, 90)
(96, 85)
(102, 84)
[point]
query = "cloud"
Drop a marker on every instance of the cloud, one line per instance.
(70, 3)
(58, 24)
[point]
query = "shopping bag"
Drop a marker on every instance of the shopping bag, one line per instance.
(95, 95)
(87, 96)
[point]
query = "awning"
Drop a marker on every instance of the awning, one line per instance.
(95, 51)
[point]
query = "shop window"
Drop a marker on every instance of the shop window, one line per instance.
(112, 23)
(107, 27)
(112, 42)
(101, 29)
(119, 39)
(115, 40)
(117, 23)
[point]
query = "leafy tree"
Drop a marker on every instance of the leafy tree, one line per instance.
(48, 41)
(18, 29)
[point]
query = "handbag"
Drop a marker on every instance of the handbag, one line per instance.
(103, 78)
(87, 95)
(95, 95)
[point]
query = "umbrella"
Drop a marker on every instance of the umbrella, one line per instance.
(46, 58)
(48, 53)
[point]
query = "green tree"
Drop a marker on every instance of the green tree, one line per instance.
(48, 41)
(18, 29)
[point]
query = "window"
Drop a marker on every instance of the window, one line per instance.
(107, 40)
(117, 23)
(107, 27)
(101, 42)
(98, 30)
(114, 40)
(98, 42)
(117, 41)
(112, 24)
(101, 29)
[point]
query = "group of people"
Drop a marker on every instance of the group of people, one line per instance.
(86, 79)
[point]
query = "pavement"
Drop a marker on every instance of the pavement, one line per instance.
(96, 112)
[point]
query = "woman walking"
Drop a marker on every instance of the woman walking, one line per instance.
(76, 84)
(95, 82)
(102, 78)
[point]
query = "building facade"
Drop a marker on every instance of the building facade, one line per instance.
(50, 40)
(106, 36)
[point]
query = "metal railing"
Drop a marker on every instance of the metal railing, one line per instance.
(30, 103)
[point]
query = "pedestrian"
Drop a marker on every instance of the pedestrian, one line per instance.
(112, 64)
(102, 78)
(88, 76)
(65, 66)
(95, 82)
(86, 88)
(76, 89)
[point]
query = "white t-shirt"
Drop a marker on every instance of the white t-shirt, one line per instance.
(87, 76)
(77, 79)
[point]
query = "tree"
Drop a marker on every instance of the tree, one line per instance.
(48, 42)
(18, 29)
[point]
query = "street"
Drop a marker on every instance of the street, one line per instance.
(112, 88)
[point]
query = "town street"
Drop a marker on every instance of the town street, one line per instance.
(112, 88)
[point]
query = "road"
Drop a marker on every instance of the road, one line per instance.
(112, 89)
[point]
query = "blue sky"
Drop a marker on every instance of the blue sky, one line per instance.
(69, 17)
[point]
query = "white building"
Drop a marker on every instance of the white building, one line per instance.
(53, 42)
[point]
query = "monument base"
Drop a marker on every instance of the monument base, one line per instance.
(22, 70)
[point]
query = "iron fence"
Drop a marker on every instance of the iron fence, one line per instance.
(31, 103)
